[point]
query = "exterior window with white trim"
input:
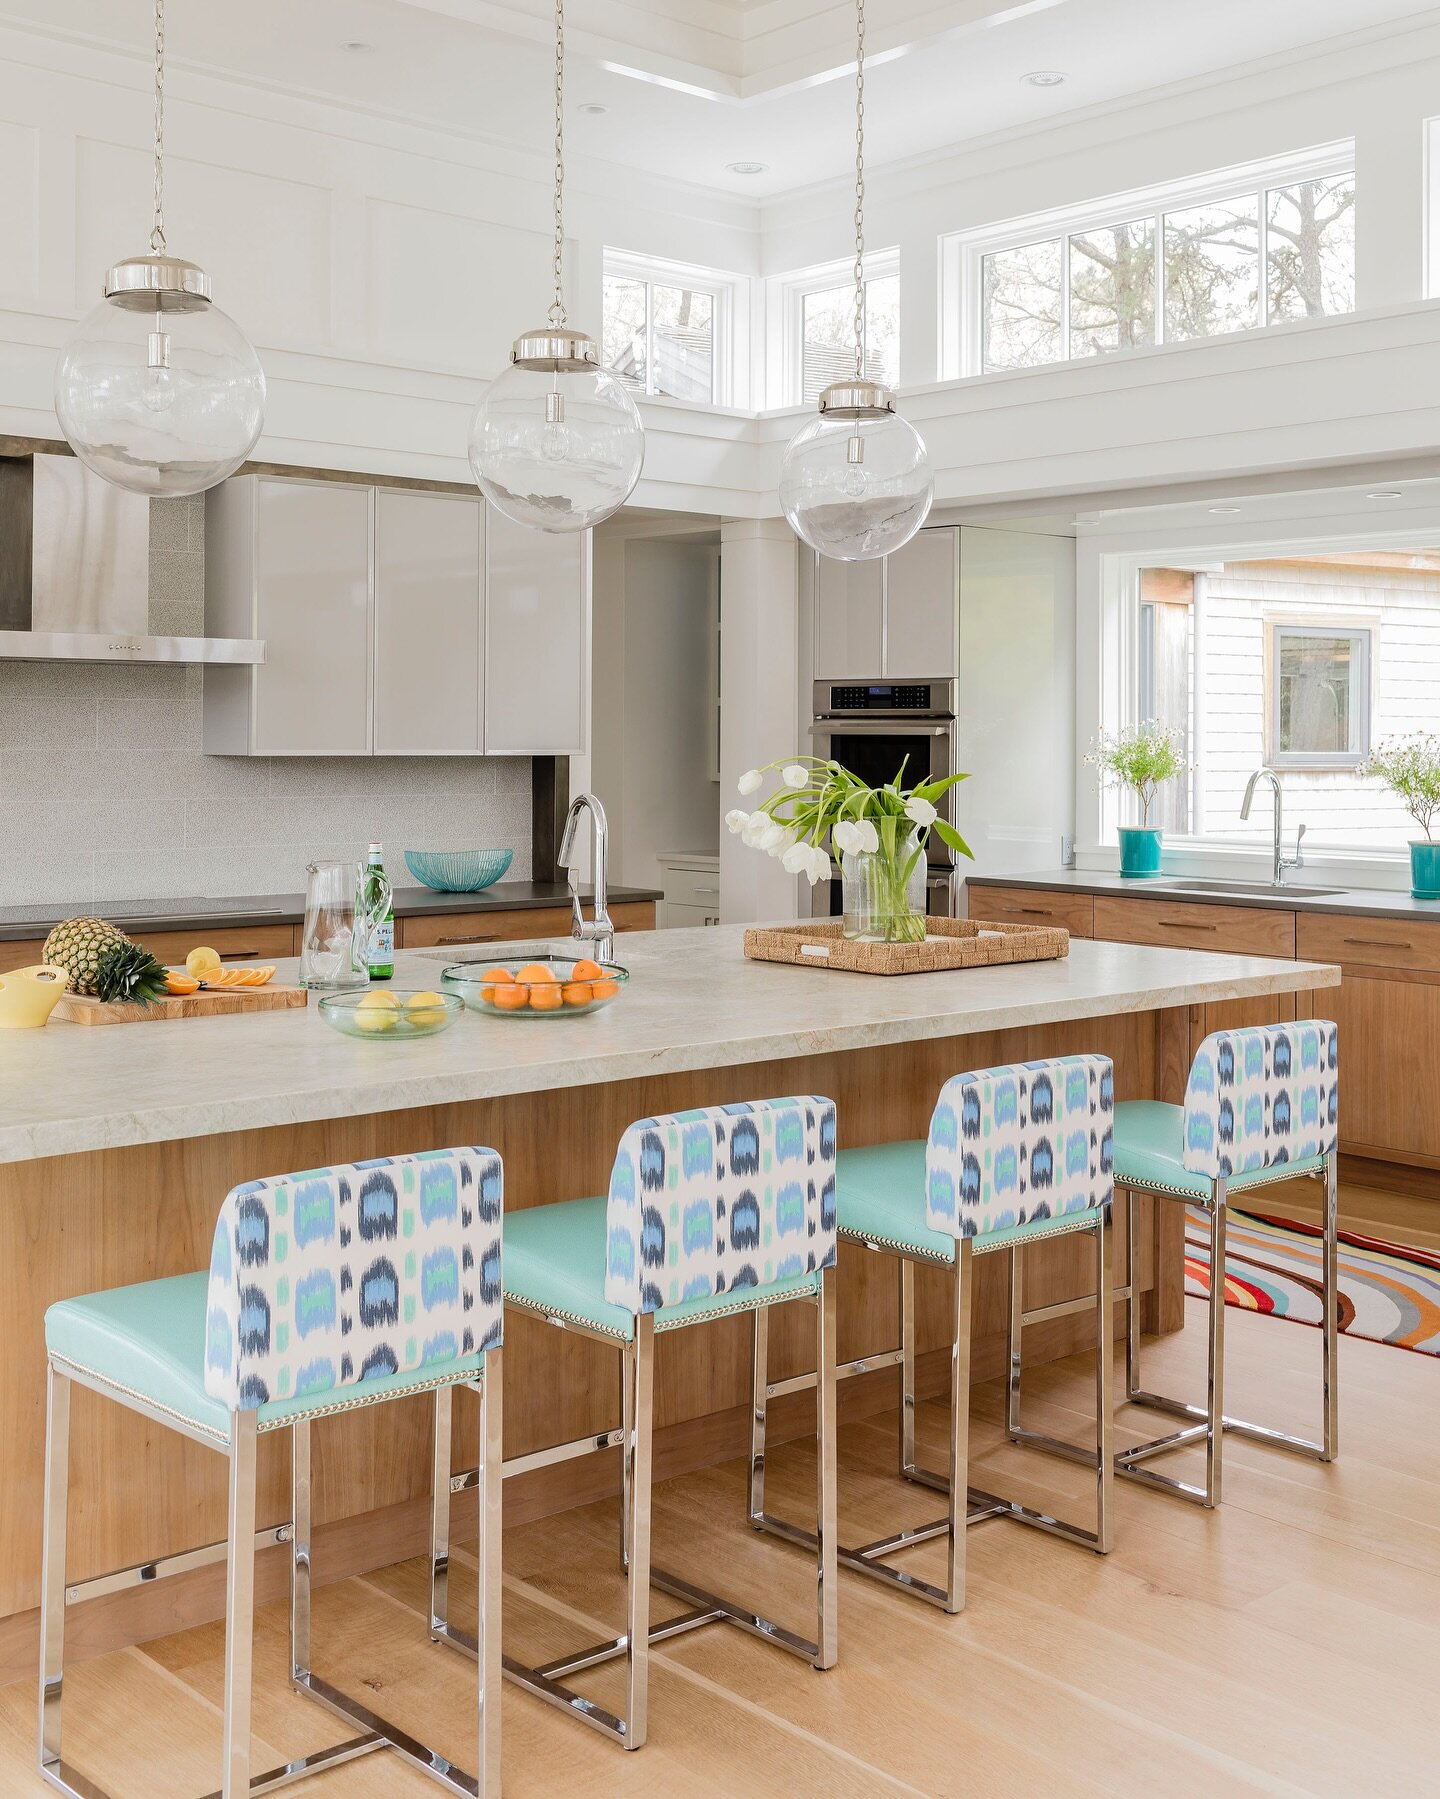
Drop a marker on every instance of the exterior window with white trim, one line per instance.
(817, 320)
(667, 328)
(1236, 250)
(1319, 700)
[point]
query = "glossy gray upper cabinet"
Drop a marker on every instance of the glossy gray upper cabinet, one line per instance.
(922, 605)
(537, 635)
(849, 619)
(429, 648)
(289, 561)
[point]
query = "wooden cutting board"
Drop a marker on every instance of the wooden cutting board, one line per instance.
(219, 1002)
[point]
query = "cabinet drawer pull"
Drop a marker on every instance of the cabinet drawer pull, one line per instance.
(239, 955)
(1024, 911)
(714, 890)
(1177, 924)
(449, 942)
(1375, 943)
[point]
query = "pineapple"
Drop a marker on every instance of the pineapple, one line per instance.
(129, 974)
(77, 945)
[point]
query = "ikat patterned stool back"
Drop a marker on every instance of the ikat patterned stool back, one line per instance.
(1020, 1144)
(1262, 1096)
(345, 1275)
(720, 1199)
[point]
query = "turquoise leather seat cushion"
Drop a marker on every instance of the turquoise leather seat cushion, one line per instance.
(149, 1340)
(880, 1198)
(554, 1262)
(1149, 1154)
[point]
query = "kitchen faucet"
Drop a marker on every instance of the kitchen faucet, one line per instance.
(1283, 864)
(600, 931)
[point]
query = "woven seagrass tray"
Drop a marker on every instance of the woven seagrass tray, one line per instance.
(949, 943)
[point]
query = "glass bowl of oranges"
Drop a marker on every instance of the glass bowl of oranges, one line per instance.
(537, 984)
(386, 1013)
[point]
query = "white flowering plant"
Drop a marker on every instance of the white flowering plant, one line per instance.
(817, 799)
(1410, 768)
(1141, 757)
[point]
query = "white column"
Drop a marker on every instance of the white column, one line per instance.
(759, 699)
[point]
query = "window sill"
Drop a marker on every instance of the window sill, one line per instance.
(1194, 858)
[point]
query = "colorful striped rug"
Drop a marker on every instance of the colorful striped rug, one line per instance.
(1388, 1293)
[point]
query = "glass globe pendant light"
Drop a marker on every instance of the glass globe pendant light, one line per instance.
(557, 442)
(856, 482)
(157, 389)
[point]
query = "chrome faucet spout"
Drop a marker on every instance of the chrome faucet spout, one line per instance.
(600, 931)
(1281, 864)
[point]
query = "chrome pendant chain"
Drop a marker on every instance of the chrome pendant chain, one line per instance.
(557, 305)
(157, 227)
(859, 190)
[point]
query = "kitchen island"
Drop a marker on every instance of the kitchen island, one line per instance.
(117, 1146)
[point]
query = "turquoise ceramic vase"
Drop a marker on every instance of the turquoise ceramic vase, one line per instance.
(1139, 850)
(1425, 870)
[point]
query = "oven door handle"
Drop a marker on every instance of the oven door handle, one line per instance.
(837, 727)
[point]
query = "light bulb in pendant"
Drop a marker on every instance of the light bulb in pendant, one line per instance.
(157, 389)
(856, 483)
(557, 442)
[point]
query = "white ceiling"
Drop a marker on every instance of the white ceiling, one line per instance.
(692, 85)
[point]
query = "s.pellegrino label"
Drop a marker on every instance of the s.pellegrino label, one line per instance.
(381, 959)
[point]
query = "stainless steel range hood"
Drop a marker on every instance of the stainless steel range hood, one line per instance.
(75, 572)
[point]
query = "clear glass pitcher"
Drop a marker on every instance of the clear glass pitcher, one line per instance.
(339, 926)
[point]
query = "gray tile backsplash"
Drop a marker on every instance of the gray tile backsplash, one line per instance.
(105, 793)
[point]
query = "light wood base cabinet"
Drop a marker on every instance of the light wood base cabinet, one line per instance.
(446, 930)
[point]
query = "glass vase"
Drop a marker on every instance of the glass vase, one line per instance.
(884, 892)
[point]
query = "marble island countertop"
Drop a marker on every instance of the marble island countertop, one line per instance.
(693, 1001)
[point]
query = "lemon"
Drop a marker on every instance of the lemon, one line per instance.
(377, 1012)
(425, 1008)
(201, 962)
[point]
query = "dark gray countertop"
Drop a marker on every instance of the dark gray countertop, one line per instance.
(1348, 902)
(18, 923)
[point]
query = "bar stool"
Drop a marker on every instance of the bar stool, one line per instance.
(1261, 1105)
(330, 1290)
(721, 1210)
(1015, 1155)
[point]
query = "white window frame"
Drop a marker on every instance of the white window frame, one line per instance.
(1362, 631)
(785, 309)
(963, 253)
(730, 316)
(1112, 551)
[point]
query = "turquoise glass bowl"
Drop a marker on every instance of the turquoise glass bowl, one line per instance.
(458, 871)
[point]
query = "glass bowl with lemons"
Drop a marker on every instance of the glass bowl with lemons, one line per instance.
(388, 1014)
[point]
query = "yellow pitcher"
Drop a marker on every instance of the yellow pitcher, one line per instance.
(29, 995)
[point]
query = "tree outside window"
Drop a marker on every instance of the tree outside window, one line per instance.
(1261, 257)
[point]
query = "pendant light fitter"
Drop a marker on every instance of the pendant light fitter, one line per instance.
(557, 443)
(855, 483)
(157, 389)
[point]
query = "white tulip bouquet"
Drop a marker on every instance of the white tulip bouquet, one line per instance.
(888, 825)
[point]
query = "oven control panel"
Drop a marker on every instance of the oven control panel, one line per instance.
(882, 697)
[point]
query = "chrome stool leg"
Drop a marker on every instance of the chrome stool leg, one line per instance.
(52, 1579)
(547, 1681)
(1211, 1419)
(239, 1609)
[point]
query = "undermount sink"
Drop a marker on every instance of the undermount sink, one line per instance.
(1254, 887)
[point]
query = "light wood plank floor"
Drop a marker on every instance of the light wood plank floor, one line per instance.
(1285, 1644)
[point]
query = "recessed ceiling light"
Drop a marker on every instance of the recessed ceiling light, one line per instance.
(747, 168)
(1045, 78)
(358, 47)
(1385, 493)
(1224, 511)
(593, 108)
